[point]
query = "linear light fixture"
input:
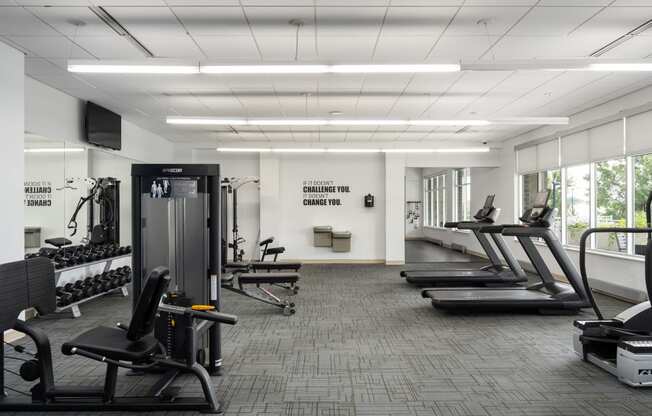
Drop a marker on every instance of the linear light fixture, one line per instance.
(352, 150)
(132, 69)
(329, 69)
(55, 150)
(622, 67)
(166, 66)
(361, 122)
(443, 150)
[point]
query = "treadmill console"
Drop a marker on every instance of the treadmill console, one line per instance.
(540, 215)
(488, 213)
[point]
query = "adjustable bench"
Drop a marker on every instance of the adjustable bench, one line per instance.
(286, 281)
(268, 266)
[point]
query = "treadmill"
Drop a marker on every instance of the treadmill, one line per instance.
(494, 274)
(547, 296)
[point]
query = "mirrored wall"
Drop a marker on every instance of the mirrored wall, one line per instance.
(58, 175)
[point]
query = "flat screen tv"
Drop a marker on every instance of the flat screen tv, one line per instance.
(103, 127)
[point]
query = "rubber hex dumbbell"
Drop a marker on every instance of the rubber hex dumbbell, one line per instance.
(109, 278)
(101, 283)
(63, 298)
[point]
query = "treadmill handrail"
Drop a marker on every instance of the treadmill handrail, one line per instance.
(585, 235)
(491, 229)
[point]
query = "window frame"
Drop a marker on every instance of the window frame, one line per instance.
(458, 194)
(630, 184)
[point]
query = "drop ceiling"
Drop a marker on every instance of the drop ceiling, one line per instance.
(51, 32)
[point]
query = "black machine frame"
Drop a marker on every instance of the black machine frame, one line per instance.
(209, 182)
(105, 192)
(28, 284)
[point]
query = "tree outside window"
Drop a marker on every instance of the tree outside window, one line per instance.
(552, 183)
(611, 203)
(578, 206)
(642, 188)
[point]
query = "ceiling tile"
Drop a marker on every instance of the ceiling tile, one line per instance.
(213, 21)
(461, 47)
(73, 21)
(614, 22)
(417, 21)
(148, 21)
(574, 46)
(232, 48)
(468, 22)
(342, 49)
(552, 21)
(50, 47)
(110, 47)
(349, 21)
(15, 21)
(397, 49)
(171, 46)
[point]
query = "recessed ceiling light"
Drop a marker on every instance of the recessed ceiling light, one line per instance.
(335, 113)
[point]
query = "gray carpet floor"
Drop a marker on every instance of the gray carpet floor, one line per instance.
(363, 342)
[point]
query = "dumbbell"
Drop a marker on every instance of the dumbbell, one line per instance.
(86, 290)
(102, 285)
(76, 293)
(63, 297)
(109, 278)
(94, 285)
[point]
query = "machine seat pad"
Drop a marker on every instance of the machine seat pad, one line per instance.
(266, 241)
(237, 265)
(275, 250)
(268, 278)
(112, 343)
(275, 265)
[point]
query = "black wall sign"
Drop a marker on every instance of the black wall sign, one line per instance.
(323, 193)
(38, 193)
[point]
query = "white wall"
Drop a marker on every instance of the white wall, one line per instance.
(11, 157)
(58, 116)
(282, 208)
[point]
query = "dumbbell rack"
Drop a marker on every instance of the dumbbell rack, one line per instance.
(74, 307)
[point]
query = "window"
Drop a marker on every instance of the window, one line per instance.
(578, 202)
(434, 197)
(427, 201)
(530, 186)
(642, 188)
(441, 200)
(552, 182)
(611, 203)
(462, 184)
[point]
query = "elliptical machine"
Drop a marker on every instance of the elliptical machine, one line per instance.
(621, 345)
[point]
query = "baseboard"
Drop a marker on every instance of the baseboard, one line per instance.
(394, 263)
(617, 291)
(337, 261)
(11, 335)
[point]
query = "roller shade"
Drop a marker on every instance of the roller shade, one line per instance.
(639, 133)
(606, 141)
(575, 148)
(527, 159)
(548, 155)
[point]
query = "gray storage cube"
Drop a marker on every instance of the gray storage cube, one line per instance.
(341, 241)
(32, 237)
(322, 235)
